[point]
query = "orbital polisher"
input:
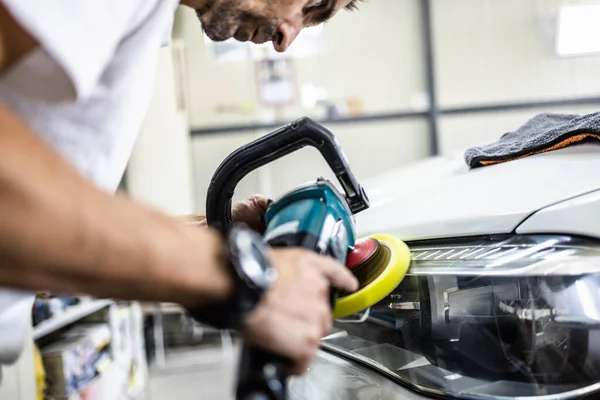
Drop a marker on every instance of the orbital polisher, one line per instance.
(315, 216)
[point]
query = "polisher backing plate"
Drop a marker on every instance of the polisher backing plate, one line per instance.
(378, 276)
(364, 249)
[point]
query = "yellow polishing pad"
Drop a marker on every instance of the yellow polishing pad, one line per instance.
(396, 260)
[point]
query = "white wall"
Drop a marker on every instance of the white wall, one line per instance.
(208, 154)
(502, 51)
(371, 54)
(381, 65)
(491, 51)
(160, 170)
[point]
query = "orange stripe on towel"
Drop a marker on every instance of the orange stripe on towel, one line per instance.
(560, 145)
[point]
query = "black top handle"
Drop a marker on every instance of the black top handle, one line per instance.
(285, 140)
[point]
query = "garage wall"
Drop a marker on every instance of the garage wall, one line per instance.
(160, 170)
(502, 51)
(487, 51)
(381, 65)
(491, 51)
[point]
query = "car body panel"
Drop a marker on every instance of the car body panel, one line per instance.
(441, 197)
(578, 216)
(333, 378)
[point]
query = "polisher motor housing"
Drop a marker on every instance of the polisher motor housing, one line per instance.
(316, 217)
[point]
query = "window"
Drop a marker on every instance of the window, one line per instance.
(578, 31)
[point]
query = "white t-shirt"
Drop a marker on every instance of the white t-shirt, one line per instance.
(85, 91)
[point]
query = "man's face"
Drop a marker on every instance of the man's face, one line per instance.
(261, 21)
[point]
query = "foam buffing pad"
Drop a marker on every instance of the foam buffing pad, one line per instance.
(379, 262)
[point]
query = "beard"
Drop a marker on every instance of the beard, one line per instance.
(223, 19)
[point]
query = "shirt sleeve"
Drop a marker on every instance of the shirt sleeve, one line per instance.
(166, 42)
(80, 35)
(15, 319)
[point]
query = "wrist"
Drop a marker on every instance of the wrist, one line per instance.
(195, 220)
(224, 283)
(209, 272)
(249, 267)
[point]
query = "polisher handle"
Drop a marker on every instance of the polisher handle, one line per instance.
(283, 141)
(262, 375)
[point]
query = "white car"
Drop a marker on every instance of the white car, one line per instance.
(502, 299)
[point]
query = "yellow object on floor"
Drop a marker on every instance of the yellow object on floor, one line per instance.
(40, 373)
(397, 261)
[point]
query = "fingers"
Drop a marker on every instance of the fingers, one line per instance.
(251, 212)
(287, 334)
(303, 346)
(295, 314)
(338, 275)
(312, 337)
(320, 307)
(261, 202)
(255, 205)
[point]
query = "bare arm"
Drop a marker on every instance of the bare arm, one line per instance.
(59, 232)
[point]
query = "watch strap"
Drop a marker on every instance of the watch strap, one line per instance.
(218, 315)
(230, 313)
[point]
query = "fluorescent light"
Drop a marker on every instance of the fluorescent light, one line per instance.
(578, 29)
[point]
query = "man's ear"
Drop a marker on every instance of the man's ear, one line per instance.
(15, 41)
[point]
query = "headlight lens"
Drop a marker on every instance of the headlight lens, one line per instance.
(488, 319)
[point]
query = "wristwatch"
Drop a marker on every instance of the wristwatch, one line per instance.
(252, 275)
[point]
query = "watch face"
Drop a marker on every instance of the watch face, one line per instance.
(251, 259)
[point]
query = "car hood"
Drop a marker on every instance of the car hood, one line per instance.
(442, 197)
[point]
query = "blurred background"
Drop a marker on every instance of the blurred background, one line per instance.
(395, 81)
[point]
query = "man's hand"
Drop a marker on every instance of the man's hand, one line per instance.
(250, 211)
(295, 314)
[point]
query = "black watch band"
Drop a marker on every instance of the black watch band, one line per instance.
(247, 290)
(218, 315)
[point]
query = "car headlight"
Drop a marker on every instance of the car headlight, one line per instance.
(488, 319)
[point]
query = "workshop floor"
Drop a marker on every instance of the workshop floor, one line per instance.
(213, 380)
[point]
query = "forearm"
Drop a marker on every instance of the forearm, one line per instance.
(58, 232)
(196, 220)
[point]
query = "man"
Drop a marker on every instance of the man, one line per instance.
(75, 79)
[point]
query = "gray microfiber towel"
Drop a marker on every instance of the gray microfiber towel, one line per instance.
(542, 133)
